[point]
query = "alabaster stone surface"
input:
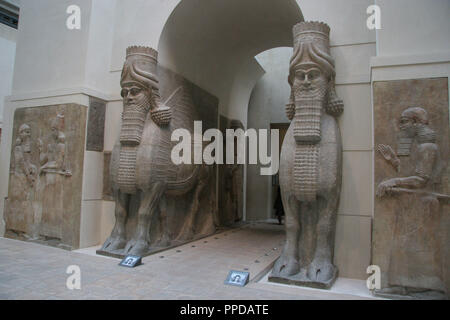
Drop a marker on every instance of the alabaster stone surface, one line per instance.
(107, 188)
(158, 204)
(96, 125)
(411, 223)
(231, 177)
(45, 182)
(310, 163)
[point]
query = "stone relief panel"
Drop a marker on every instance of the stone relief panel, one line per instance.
(158, 204)
(411, 221)
(23, 175)
(96, 125)
(44, 197)
(310, 162)
(231, 179)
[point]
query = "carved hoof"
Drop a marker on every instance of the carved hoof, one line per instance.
(321, 273)
(113, 243)
(137, 248)
(287, 267)
(292, 267)
(164, 242)
(186, 235)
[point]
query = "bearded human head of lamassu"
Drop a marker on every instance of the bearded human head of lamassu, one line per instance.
(312, 68)
(140, 93)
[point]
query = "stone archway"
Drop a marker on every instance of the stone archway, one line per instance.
(266, 108)
(214, 44)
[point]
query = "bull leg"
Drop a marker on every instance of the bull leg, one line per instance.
(117, 238)
(164, 223)
(322, 269)
(149, 202)
(288, 264)
(187, 231)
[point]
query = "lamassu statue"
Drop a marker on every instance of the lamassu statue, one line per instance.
(142, 173)
(311, 162)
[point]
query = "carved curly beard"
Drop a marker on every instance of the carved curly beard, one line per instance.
(404, 143)
(309, 101)
(161, 115)
(307, 121)
(133, 121)
(425, 134)
(422, 133)
(318, 91)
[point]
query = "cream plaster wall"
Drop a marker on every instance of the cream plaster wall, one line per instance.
(346, 18)
(97, 73)
(50, 56)
(8, 39)
(138, 22)
(92, 200)
(412, 27)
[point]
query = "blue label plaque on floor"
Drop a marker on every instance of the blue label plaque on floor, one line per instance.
(131, 261)
(237, 278)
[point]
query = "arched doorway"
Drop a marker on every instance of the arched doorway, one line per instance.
(214, 43)
(266, 110)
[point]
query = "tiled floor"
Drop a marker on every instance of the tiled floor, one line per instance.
(193, 271)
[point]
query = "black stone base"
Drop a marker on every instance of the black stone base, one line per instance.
(389, 293)
(51, 242)
(119, 254)
(301, 280)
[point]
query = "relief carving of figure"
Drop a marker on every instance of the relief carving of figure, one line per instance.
(53, 170)
(311, 162)
(23, 179)
(413, 126)
(54, 160)
(142, 173)
(23, 167)
(44, 198)
(415, 260)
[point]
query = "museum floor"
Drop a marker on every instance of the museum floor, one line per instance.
(195, 271)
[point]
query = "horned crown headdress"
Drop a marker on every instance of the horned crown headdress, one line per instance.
(312, 48)
(141, 67)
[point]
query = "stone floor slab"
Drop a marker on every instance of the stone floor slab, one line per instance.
(194, 271)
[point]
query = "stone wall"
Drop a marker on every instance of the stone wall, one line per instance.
(46, 174)
(411, 227)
